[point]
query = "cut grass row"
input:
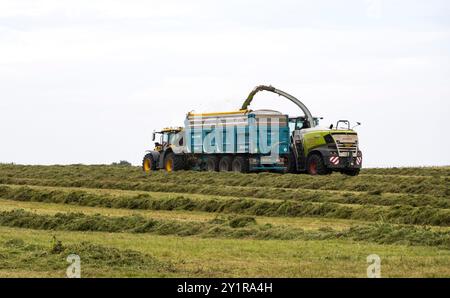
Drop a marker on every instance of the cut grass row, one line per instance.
(231, 227)
(82, 170)
(213, 257)
(306, 223)
(433, 185)
(342, 197)
(418, 171)
(278, 208)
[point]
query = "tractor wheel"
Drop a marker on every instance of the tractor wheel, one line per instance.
(240, 164)
(148, 163)
(212, 164)
(225, 164)
(174, 162)
(351, 172)
(316, 166)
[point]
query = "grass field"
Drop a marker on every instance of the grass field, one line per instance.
(195, 224)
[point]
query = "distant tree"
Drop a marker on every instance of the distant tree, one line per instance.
(122, 163)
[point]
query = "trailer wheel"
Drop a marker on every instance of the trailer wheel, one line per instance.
(240, 164)
(212, 164)
(225, 164)
(148, 163)
(351, 172)
(316, 166)
(174, 162)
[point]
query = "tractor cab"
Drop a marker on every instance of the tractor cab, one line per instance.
(166, 138)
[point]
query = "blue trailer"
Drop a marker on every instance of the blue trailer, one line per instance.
(217, 139)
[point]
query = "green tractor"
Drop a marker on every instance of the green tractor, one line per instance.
(301, 145)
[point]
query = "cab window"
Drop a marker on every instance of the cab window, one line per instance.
(165, 138)
(291, 125)
(299, 124)
(296, 123)
(173, 138)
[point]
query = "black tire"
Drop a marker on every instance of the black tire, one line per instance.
(351, 172)
(212, 164)
(316, 166)
(148, 163)
(225, 164)
(240, 164)
(291, 164)
(177, 162)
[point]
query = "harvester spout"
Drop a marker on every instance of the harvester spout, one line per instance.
(308, 115)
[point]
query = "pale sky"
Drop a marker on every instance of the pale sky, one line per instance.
(88, 81)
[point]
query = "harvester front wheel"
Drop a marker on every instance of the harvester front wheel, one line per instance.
(316, 166)
(351, 172)
(173, 162)
(148, 163)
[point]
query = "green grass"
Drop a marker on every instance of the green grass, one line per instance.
(212, 257)
(124, 223)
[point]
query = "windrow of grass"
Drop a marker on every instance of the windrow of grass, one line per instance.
(17, 254)
(417, 171)
(125, 171)
(411, 185)
(342, 197)
(431, 185)
(231, 227)
(399, 214)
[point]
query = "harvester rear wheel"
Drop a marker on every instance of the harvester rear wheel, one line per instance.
(225, 164)
(148, 163)
(240, 164)
(316, 166)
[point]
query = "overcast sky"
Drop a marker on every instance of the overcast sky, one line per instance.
(88, 81)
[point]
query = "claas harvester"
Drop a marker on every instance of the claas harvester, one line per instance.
(262, 140)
